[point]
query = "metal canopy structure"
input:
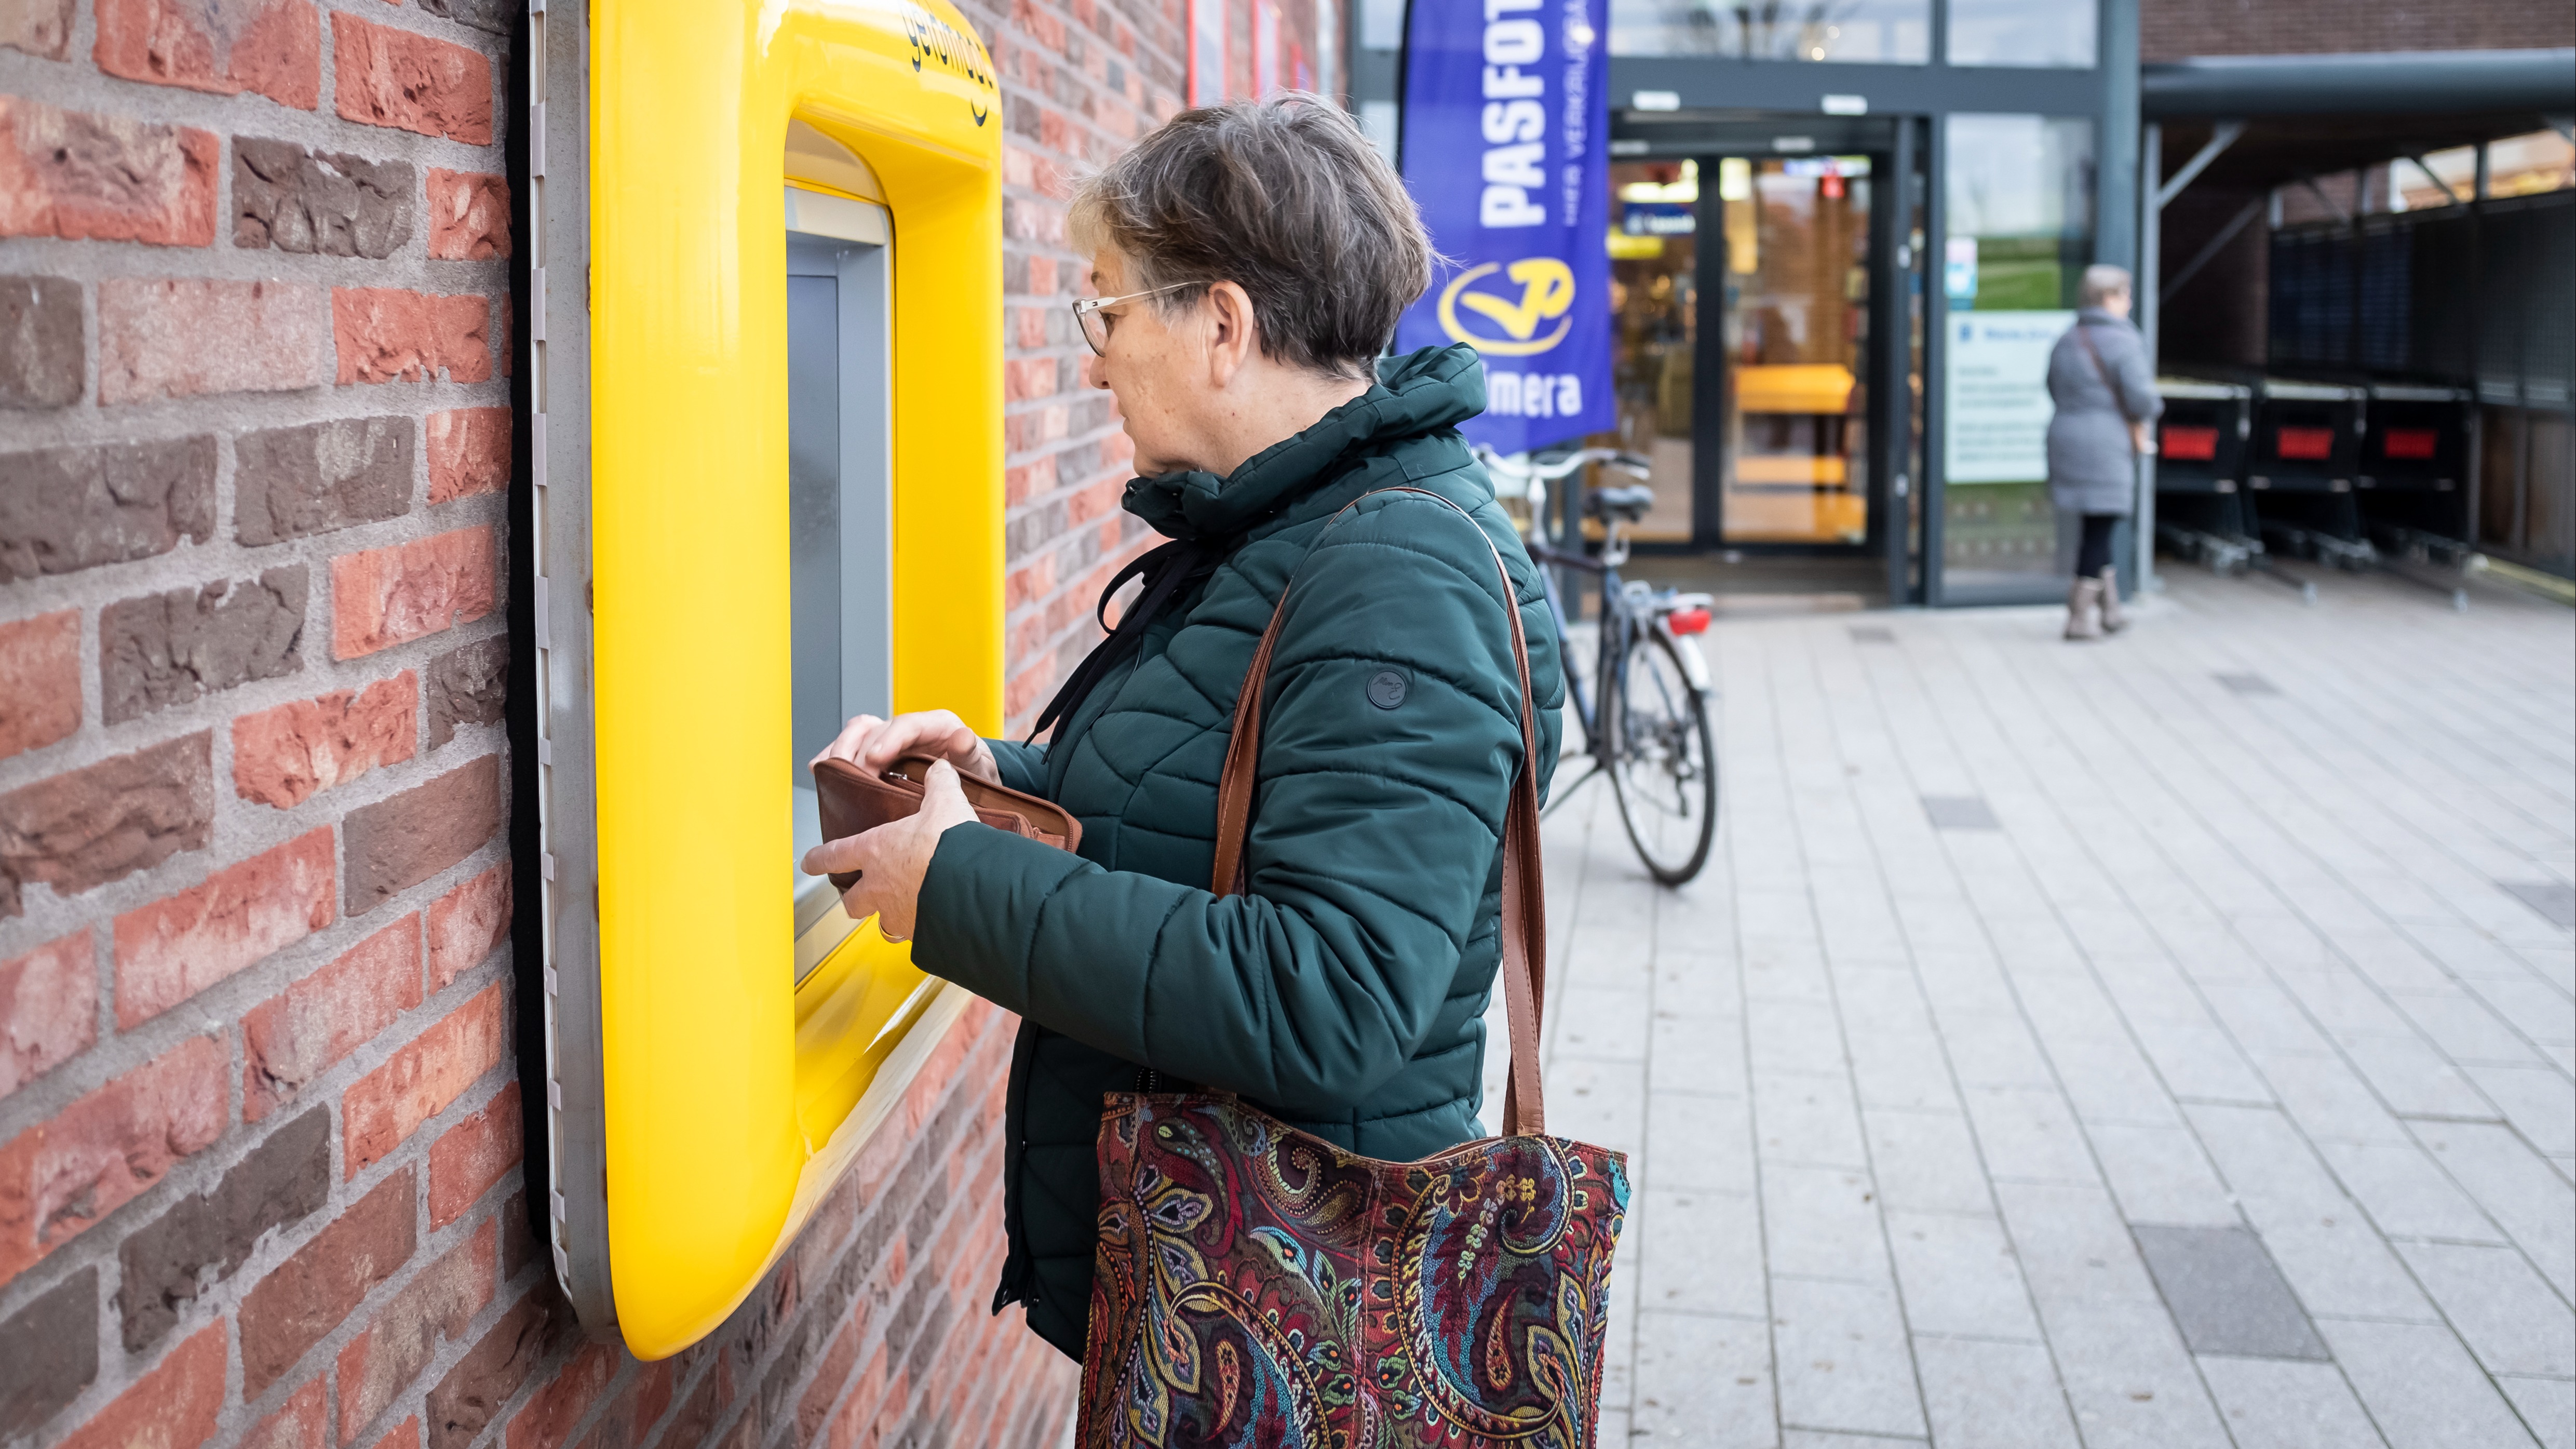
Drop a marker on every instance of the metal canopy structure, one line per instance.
(2263, 121)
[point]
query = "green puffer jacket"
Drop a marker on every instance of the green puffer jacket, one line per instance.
(1346, 994)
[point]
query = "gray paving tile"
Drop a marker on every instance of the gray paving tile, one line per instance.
(2263, 1160)
(2123, 1363)
(2029, 1136)
(2109, 1080)
(1959, 812)
(1698, 1142)
(2538, 1100)
(2547, 1406)
(2069, 1008)
(1822, 1222)
(2464, 1028)
(1903, 1069)
(1991, 1049)
(2500, 1307)
(1926, 1162)
(2199, 1063)
(2281, 1404)
(1844, 1360)
(2345, 1004)
(1992, 1395)
(1601, 1025)
(2160, 1175)
(1959, 981)
(2226, 1294)
(2406, 1193)
(1809, 1120)
(2338, 1265)
(2246, 684)
(2329, 1100)
(1794, 1036)
(1603, 1103)
(2415, 1080)
(1690, 1053)
(1810, 1439)
(1960, 1277)
(1786, 971)
(2537, 1010)
(2553, 901)
(1704, 1381)
(1696, 986)
(2518, 1189)
(2263, 1018)
(1697, 1251)
(2421, 1387)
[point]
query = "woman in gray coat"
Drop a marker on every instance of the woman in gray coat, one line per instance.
(2105, 396)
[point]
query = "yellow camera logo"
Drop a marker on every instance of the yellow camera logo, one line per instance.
(1547, 291)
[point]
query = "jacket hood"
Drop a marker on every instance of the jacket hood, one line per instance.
(1421, 392)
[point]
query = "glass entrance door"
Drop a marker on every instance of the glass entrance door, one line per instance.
(1793, 464)
(1654, 297)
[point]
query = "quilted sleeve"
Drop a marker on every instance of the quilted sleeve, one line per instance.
(1023, 764)
(1389, 744)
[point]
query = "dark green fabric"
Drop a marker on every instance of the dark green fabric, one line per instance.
(1347, 992)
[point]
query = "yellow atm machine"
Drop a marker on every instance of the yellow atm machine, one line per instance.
(764, 338)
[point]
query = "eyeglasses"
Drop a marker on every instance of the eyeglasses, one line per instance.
(1094, 322)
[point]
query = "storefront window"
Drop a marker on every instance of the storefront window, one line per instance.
(1892, 31)
(2021, 32)
(1654, 298)
(2020, 231)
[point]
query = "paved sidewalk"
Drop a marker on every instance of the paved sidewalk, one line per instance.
(2163, 1043)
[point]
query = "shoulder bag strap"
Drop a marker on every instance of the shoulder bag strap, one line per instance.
(1524, 926)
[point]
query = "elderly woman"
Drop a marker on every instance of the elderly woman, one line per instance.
(1250, 263)
(2105, 396)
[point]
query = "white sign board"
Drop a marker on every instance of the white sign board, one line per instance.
(1996, 427)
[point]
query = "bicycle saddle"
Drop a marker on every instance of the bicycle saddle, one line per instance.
(1628, 503)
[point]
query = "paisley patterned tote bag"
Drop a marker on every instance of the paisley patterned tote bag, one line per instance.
(1257, 1287)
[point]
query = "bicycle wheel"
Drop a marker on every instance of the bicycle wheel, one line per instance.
(1665, 772)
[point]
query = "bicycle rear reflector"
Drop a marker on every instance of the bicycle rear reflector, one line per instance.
(1687, 621)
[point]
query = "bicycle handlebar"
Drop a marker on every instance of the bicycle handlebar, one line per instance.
(1559, 468)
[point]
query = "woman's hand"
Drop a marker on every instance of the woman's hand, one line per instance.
(892, 859)
(874, 744)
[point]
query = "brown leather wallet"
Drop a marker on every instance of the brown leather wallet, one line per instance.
(853, 800)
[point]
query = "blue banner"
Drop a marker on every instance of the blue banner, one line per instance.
(1506, 148)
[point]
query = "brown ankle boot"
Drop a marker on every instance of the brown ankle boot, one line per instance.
(2114, 619)
(2083, 608)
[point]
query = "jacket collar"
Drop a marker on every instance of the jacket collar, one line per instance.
(1421, 392)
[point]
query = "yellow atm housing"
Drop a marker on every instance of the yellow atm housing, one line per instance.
(765, 341)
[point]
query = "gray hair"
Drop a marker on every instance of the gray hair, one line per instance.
(2100, 281)
(1283, 197)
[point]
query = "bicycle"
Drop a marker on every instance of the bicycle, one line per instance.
(1645, 719)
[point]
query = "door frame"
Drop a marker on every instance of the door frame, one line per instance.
(1886, 142)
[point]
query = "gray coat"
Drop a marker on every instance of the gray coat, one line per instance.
(2090, 466)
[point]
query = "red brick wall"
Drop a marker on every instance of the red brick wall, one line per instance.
(256, 1107)
(2175, 29)
(260, 1156)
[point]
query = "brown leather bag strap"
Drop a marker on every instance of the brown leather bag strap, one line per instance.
(1524, 926)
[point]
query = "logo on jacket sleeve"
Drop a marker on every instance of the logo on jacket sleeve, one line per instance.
(1386, 688)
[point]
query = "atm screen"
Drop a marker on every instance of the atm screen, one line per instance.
(839, 500)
